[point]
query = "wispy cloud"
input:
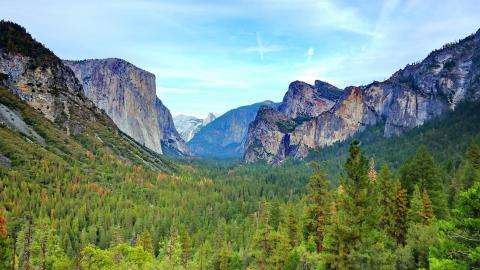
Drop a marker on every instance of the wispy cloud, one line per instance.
(262, 48)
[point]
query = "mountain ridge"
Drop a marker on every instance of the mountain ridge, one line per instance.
(409, 98)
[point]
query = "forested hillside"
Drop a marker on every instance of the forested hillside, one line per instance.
(77, 203)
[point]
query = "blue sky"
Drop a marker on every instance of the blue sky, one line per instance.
(212, 56)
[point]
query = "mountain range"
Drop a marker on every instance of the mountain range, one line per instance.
(315, 116)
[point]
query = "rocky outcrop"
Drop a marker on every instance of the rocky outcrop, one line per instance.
(188, 126)
(127, 94)
(408, 99)
(225, 136)
(303, 99)
(38, 77)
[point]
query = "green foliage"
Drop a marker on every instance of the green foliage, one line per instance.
(459, 239)
(423, 171)
(318, 205)
(286, 126)
(106, 205)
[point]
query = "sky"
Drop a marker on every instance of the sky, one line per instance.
(213, 56)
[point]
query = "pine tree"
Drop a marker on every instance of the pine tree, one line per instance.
(275, 215)
(318, 205)
(427, 211)
(401, 213)
(353, 237)
(224, 256)
(415, 206)
(147, 242)
(262, 248)
(470, 169)
(186, 247)
(292, 226)
(423, 171)
(386, 200)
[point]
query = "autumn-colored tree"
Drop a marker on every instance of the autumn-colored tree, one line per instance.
(401, 214)
(427, 210)
(4, 248)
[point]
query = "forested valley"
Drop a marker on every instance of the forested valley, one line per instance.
(74, 204)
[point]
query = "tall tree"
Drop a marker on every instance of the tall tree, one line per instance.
(354, 235)
(460, 238)
(318, 206)
(415, 206)
(292, 226)
(427, 211)
(423, 171)
(401, 214)
(386, 196)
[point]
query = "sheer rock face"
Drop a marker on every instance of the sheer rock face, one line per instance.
(408, 99)
(127, 94)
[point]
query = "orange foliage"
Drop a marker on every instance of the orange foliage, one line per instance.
(138, 169)
(44, 195)
(3, 224)
(89, 155)
(101, 191)
(161, 176)
(75, 186)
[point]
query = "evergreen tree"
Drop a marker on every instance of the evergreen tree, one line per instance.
(354, 236)
(262, 240)
(292, 226)
(415, 209)
(318, 205)
(427, 211)
(459, 245)
(401, 213)
(386, 200)
(224, 256)
(423, 171)
(470, 169)
(186, 247)
(275, 215)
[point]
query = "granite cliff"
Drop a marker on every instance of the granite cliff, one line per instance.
(188, 126)
(316, 116)
(127, 94)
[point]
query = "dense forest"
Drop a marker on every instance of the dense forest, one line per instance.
(408, 202)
